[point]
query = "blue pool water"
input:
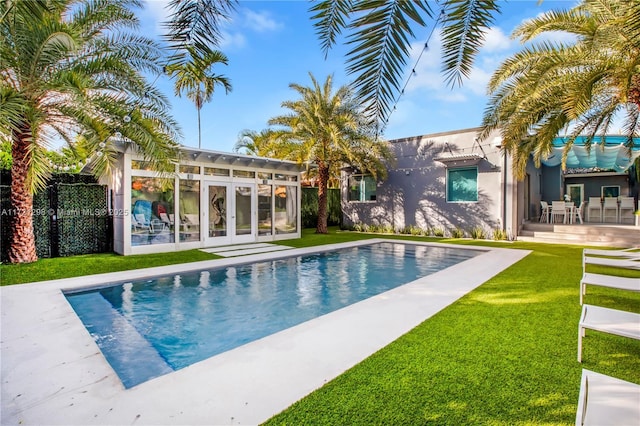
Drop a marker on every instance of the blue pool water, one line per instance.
(152, 327)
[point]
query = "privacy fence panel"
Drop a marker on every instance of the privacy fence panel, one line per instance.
(70, 216)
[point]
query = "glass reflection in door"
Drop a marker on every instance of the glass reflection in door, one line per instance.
(217, 211)
(243, 210)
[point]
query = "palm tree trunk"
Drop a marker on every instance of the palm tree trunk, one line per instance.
(323, 180)
(199, 133)
(22, 248)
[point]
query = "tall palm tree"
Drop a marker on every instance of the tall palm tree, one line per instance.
(193, 74)
(379, 34)
(578, 88)
(70, 67)
(329, 130)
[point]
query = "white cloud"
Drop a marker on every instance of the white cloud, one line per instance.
(496, 41)
(260, 21)
(155, 12)
(232, 40)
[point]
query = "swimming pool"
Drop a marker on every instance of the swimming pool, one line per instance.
(147, 328)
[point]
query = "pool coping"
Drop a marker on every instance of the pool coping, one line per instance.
(53, 372)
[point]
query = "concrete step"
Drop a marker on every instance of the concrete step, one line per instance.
(588, 234)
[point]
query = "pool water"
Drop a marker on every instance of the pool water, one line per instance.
(152, 327)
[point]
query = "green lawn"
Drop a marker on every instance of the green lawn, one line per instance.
(505, 354)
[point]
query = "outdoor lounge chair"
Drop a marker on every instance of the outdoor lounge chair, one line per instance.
(628, 263)
(605, 400)
(630, 253)
(623, 283)
(606, 320)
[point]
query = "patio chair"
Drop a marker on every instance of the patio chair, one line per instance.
(166, 219)
(558, 209)
(606, 400)
(606, 320)
(610, 209)
(593, 207)
(627, 210)
(544, 211)
(140, 222)
(611, 281)
(577, 213)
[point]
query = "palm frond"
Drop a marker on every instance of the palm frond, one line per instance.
(330, 18)
(197, 22)
(380, 48)
(464, 26)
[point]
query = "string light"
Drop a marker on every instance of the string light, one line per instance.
(413, 70)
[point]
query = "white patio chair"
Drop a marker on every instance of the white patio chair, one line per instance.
(606, 320)
(593, 207)
(558, 209)
(627, 209)
(605, 400)
(611, 281)
(610, 209)
(544, 212)
(141, 222)
(577, 213)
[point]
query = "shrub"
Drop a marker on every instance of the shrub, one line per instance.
(478, 233)
(457, 233)
(499, 234)
(438, 232)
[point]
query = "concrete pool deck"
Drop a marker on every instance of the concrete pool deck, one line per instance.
(53, 373)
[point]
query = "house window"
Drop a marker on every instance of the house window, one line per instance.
(462, 185)
(610, 191)
(151, 211)
(285, 217)
(362, 188)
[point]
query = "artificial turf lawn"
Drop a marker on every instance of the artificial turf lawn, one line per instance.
(504, 354)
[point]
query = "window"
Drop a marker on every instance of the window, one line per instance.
(189, 202)
(610, 191)
(362, 188)
(285, 218)
(244, 174)
(185, 168)
(151, 211)
(462, 185)
(214, 171)
(264, 209)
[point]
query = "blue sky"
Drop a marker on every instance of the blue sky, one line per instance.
(271, 44)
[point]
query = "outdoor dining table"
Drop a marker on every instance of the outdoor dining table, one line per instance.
(570, 211)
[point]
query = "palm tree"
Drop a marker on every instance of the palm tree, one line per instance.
(379, 35)
(578, 88)
(69, 67)
(329, 130)
(193, 76)
(265, 143)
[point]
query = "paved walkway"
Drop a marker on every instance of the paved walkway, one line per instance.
(52, 372)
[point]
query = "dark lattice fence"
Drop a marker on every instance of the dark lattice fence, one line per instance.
(309, 208)
(70, 217)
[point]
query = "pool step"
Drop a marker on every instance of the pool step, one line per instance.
(245, 249)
